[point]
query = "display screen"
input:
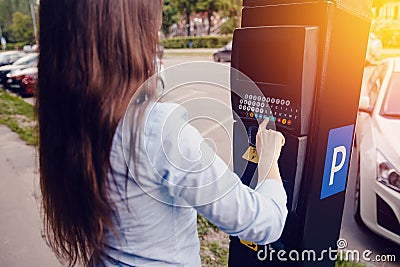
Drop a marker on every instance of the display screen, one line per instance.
(282, 61)
(265, 65)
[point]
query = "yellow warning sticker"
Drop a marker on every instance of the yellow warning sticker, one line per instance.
(251, 154)
(251, 245)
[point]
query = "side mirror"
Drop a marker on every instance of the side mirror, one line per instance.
(365, 105)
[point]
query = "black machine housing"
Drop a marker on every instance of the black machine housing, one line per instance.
(307, 59)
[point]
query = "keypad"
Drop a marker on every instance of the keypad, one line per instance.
(281, 111)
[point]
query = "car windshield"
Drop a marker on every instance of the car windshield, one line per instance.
(229, 45)
(391, 104)
(26, 59)
(5, 56)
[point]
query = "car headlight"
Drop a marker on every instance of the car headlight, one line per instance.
(387, 174)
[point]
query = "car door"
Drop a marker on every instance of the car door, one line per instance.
(372, 89)
(365, 141)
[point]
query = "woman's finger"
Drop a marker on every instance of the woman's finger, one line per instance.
(263, 125)
(282, 138)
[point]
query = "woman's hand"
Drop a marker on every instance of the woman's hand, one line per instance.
(268, 144)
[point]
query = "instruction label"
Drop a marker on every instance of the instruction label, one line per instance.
(251, 154)
(250, 245)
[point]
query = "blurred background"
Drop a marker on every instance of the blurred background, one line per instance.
(195, 30)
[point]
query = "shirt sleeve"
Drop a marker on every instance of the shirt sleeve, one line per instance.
(195, 176)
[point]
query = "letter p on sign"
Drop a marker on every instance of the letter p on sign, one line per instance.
(335, 168)
(337, 161)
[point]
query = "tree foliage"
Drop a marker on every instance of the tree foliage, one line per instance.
(170, 15)
(229, 26)
(380, 3)
(211, 6)
(185, 8)
(174, 10)
(22, 28)
(7, 9)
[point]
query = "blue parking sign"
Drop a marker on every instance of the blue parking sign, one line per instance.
(337, 161)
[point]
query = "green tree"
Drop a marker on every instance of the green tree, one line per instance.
(211, 6)
(22, 28)
(185, 8)
(380, 3)
(235, 11)
(7, 9)
(229, 26)
(170, 15)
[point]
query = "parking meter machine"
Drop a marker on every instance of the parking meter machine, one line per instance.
(306, 60)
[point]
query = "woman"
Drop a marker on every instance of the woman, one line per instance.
(94, 56)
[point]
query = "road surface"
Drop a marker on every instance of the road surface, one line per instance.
(21, 243)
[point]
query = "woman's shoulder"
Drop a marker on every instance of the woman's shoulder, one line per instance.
(164, 116)
(164, 110)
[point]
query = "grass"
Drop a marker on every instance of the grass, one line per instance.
(340, 263)
(214, 255)
(18, 116)
(213, 244)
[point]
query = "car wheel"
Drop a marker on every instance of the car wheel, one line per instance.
(160, 85)
(216, 58)
(357, 206)
(25, 93)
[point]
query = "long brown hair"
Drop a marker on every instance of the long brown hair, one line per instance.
(94, 54)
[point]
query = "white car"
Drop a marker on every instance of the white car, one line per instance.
(377, 198)
(374, 49)
(160, 74)
(223, 54)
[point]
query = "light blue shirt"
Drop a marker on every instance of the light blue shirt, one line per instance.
(177, 175)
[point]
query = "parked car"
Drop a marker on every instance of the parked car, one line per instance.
(160, 51)
(224, 53)
(374, 49)
(377, 198)
(160, 69)
(30, 60)
(23, 81)
(9, 57)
